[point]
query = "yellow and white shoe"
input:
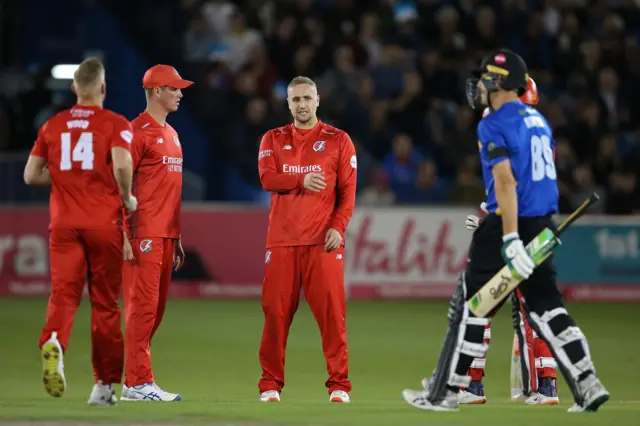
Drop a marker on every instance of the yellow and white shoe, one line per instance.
(53, 367)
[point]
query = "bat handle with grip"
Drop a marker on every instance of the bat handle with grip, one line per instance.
(578, 212)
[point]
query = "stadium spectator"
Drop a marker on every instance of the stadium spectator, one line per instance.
(389, 67)
(402, 165)
(379, 193)
(428, 188)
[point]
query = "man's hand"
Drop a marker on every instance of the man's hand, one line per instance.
(178, 255)
(314, 182)
(131, 203)
(516, 256)
(332, 240)
(472, 222)
(127, 250)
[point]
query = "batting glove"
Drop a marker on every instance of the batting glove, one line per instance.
(472, 222)
(516, 256)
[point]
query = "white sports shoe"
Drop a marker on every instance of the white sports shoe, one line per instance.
(53, 367)
(339, 396)
(270, 396)
(148, 392)
(419, 400)
(102, 395)
(594, 395)
(465, 397)
(539, 399)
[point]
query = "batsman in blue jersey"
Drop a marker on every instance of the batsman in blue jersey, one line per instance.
(516, 151)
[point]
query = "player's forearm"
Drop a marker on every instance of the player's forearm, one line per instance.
(124, 176)
(507, 199)
(122, 170)
(344, 210)
(38, 178)
(36, 171)
(280, 182)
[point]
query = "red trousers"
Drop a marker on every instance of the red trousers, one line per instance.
(321, 275)
(93, 256)
(146, 286)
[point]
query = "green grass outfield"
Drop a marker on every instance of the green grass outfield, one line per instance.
(207, 351)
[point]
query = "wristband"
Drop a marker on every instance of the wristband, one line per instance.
(510, 236)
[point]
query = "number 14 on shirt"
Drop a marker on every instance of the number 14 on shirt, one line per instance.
(82, 151)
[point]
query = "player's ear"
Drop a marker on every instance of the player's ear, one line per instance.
(317, 101)
(73, 88)
(103, 89)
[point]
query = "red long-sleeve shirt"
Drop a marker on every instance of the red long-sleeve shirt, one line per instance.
(299, 216)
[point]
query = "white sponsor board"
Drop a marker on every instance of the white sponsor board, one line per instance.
(406, 252)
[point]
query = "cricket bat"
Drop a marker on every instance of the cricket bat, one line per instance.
(540, 248)
(515, 376)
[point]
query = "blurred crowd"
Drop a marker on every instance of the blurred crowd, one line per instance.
(392, 74)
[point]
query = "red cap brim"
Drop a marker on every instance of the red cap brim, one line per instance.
(180, 84)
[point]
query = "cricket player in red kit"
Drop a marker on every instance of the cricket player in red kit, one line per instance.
(83, 152)
(310, 169)
(152, 244)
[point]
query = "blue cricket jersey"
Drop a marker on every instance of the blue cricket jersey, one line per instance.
(521, 134)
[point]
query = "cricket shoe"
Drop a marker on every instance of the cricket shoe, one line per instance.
(593, 393)
(148, 392)
(270, 396)
(339, 396)
(102, 395)
(474, 394)
(419, 399)
(53, 367)
(546, 394)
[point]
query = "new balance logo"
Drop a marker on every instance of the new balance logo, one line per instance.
(287, 148)
(339, 256)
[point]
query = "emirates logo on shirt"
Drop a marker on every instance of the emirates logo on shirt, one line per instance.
(315, 168)
(174, 164)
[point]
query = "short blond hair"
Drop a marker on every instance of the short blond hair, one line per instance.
(89, 75)
(302, 80)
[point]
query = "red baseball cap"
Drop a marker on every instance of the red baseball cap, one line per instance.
(164, 75)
